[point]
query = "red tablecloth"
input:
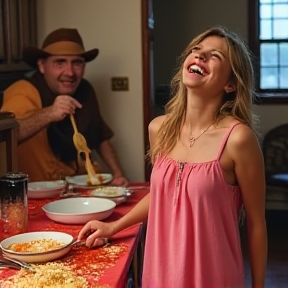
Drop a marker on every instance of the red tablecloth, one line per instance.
(112, 270)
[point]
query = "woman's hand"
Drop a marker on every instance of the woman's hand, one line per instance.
(95, 233)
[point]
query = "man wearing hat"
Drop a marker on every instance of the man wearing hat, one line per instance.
(42, 102)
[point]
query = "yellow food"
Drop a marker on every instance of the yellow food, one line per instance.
(108, 191)
(49, 275)
(34, 246)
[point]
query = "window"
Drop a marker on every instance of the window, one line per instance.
(17, 29)
(268, 39)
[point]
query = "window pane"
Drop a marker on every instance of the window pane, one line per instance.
(268, 54)
(279, 1)
(284, 78)
(280, 11)
(265, 29)
(273, 46)
(280, 29)
(265, 11)
(269, 78)
(283, 54)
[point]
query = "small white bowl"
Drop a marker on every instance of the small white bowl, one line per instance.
(45, 189)
(38, 257)
(79, 210)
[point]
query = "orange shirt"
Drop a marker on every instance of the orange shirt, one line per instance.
(35, 156)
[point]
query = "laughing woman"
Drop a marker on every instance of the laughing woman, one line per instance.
(203, 176)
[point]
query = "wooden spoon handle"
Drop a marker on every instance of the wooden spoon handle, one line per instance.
(73, 122)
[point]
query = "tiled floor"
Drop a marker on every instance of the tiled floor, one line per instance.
(277, 266)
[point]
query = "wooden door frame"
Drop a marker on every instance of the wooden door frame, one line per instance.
(147, 83)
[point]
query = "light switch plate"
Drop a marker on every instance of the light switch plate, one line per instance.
(120, 84)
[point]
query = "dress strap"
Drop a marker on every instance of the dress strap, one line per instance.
(226, 138)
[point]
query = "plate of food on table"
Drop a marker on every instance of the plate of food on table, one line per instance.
(54, 259)
(86, 181)
(117, 194)
(36, 247)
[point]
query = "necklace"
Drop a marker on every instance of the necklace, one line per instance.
(192, 139)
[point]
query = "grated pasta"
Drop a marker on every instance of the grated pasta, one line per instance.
(34, 246)
(49, 275)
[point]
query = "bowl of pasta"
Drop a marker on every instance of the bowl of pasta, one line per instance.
(37, 247)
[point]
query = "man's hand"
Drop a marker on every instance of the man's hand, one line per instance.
(63, 105)
(119, 181)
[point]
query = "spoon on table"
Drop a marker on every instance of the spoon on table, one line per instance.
(16, 262)
(78, 242)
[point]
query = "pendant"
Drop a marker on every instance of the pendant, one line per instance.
(192, 140)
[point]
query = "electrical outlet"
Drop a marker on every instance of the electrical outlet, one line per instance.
(120, 84)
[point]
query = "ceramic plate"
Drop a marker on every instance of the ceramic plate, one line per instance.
(79, 210)
(45, 189)
(82, 180)
(38, 257)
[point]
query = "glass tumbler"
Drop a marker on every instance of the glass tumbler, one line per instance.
(13, 204)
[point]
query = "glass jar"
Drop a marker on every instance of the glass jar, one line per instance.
(13, 204)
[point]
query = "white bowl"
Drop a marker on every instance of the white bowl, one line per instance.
(79, 210)
(82, 180)
(38, 257)
(45, 189)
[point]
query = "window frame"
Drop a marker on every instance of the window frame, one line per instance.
(269, 96)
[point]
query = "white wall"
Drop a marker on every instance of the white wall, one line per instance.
(114, 27)
(180, 21)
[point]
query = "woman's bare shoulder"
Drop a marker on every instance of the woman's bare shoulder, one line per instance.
(242, 134)
(156, 123)
(154, 127)
(243, 143)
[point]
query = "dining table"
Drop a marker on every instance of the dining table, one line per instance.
(117, 265)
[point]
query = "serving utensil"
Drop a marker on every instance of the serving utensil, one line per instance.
(78, 139)
(7, 264)
(138, 187)
(12, 263)
(81, 146)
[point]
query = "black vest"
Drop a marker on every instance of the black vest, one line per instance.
(88, 120)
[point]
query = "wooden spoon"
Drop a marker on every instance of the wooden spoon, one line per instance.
(81, 146)
(92, 178)
(78, 139)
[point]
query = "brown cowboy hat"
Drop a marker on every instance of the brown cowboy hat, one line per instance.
(63, 41)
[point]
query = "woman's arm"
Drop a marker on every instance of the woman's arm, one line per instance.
(249, 169)
(96, 229)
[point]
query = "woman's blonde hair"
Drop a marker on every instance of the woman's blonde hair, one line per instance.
(237, 104)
